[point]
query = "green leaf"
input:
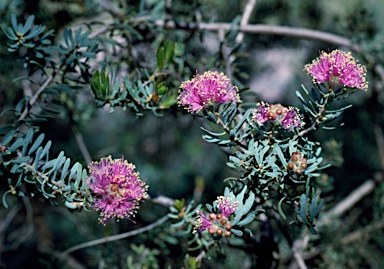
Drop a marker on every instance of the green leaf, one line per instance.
(247, 220)
(36, 144)
(64, 171)
(280, 209)
(62, 87)
(28, 23)
(303, 208)
(237, 232)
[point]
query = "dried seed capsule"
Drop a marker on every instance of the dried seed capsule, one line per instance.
(223, 221)
(219, 216)
(228, 226)
(211, 230)
(227, 233)
(212, 216)
(299, 171)
(303, 165)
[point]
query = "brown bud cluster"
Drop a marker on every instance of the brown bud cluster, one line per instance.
(297, 163)
(223, 225)
(276, 111)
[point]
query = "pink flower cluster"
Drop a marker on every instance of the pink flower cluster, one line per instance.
(208, 88)
(338, 67)
(116, 187)
(289, 117)
(218, 224)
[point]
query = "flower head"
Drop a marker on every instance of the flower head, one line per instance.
(226, 205)
(289, 117)
(338, 67)
(202, 90)
(218, 224)
(117, 188)
(203, 223)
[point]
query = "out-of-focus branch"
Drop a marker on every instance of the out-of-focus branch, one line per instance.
(114, 237)
(379, 137)
(348, 202)
(245, 18)
(111, 8)
(363, 232)
(81, 144)
(343, 206)
(162, 200)
(35, 97)
(268, 30)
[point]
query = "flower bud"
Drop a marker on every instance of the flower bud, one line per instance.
(227, 233)
(219, 231)
(212, 216)
(219, 216)
(299, 171)
(291, 166)
(223, 221)
(211, 230)
(228, 227)
(303, 165)
(271, 115)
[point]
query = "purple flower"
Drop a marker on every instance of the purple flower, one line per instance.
(289, 117)
(338, 67)
(226, 205)
(203, 223)
(117, 188)
(260, 114)
(202, 90)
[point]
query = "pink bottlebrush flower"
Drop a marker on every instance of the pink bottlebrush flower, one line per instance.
(226, 205)
(292, 119)
(203, 223)
(202, 90)
(260, 114)
(217, 223)
(338, 67)
(289, 117)
(117, 188)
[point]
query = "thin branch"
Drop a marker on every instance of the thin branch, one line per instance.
(7, 220)
(348, 202)
(363, 232)
(315, 122)
(111, 8)
(81, 144)
(36, 96)
(245, 18)
(114, 237)
(268, 30)
(162, 200)
(343, 206)
(379, 137)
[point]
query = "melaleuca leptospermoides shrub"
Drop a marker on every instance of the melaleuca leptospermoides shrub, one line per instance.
(279, 164)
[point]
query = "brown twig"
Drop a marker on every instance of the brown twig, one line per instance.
(114, 237)
(35, 97)
(81, 144)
